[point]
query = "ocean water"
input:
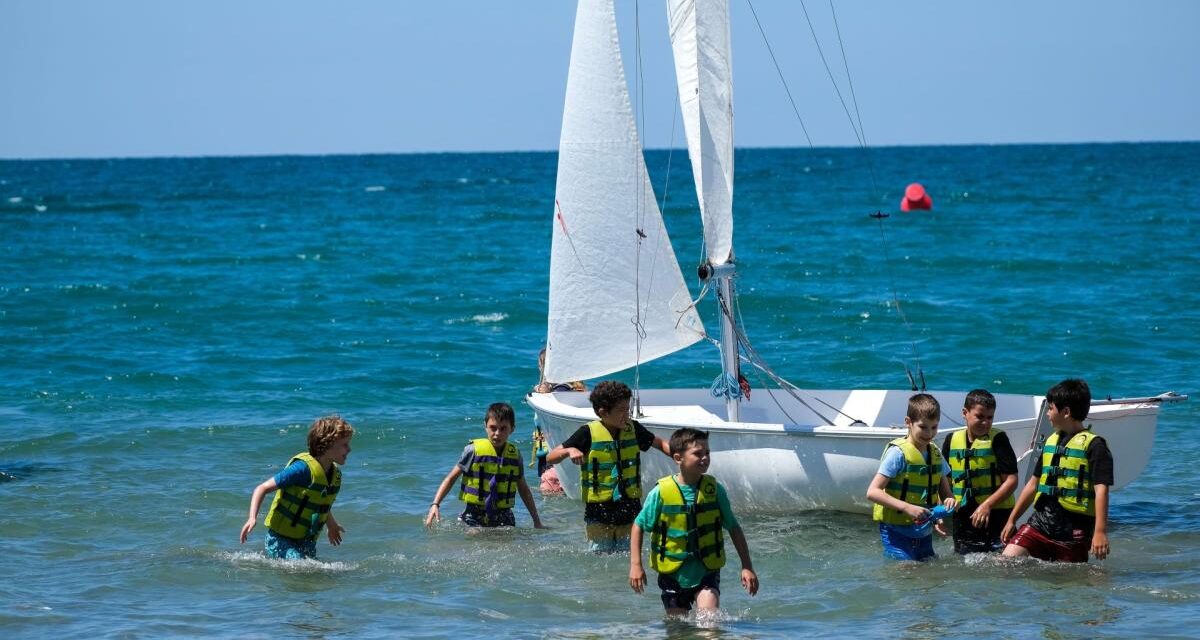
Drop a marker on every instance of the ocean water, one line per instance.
(170, 327)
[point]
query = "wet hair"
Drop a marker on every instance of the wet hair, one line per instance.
(923, 406)
(980, 397)
(685, 437)
(1073, 394)
(607, 394)
(501, 412)
(324, 432)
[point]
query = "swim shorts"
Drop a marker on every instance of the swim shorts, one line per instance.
(475, 516)
(898, 546)
(1043, 548)
(285, 548)
(676, 597)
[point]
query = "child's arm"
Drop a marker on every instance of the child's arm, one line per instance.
(334, 529)
(434, 514)
(662, 445)
(749, 578)
(637, 575)
(980, 517)
(527, 498)
(256, 499)
(876, 494)
(1023, 501)
(559, 453)
(1100, 535)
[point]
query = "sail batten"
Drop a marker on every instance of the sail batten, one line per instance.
(617, 295)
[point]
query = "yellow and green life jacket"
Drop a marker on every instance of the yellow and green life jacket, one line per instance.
(687, 530)
(299, 512)
(917, 483)
(613, 467)
(973, 472)
(492, 479)
(1065, 474)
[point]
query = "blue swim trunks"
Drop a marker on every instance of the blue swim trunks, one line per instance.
(898, 546)
(285, 548)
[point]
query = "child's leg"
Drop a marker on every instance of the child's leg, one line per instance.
(708, 595)
(608, 538)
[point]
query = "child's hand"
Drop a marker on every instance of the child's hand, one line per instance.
(434, 515)
(750, 581)
(980, 518)
(939, 528)
(1007, 532)
(539, 525)
(335, 532)
(576, 455)
(918, 514)
(246, 528)
(1100, 545)
(637, 578)
(950, 503)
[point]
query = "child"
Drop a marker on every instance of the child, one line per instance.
(983, 475)
(1070, 513)
(493, 473)
(304, 493)
(911, 474)
(685, 514)
(611, 478)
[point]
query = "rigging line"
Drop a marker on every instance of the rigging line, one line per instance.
(760, 363)
(639, 213)
(887, 258)
(854, 99)
(757, 361)
(779, 71)
(828, 71)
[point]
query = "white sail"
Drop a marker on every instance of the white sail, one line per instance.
(613, 273)
(704, 71)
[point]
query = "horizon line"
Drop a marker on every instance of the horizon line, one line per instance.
(335, 154)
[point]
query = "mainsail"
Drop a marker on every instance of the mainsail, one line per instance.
(617, 296)
(704, 71)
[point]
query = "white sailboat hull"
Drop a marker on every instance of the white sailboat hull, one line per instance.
(776, 462)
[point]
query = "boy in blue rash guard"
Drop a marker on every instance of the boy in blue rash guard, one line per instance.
(912, 475)
(493, 474)
(305, 491)
(685, 514)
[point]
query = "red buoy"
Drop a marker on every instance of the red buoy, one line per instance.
(915, 198)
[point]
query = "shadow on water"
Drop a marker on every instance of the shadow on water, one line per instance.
(14, 471)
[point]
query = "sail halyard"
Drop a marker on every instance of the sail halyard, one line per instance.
(608, 237)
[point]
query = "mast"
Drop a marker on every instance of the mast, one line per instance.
(724, 274)
(700, 40)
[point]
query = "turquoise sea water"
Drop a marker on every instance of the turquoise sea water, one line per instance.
(170, 327)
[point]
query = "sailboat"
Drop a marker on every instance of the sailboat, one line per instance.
(618, 299)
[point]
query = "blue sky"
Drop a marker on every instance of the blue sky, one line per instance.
(216, 77)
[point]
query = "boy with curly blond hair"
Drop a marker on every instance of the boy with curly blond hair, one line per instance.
(305, 491)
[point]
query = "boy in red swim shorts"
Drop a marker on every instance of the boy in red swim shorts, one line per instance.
(1070, 514)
